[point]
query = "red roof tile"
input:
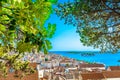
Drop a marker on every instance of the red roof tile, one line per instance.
(112, 68)
(91, 65)
(95, 76)
(111, 74)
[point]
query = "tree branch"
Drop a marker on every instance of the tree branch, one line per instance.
(110, 8)
(101, 10)
(114, 32)
(95, 28)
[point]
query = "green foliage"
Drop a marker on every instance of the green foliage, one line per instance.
(97, 22)
(46, 59)
(52, 1)
(22, 29)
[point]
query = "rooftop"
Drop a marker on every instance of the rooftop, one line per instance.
(91, 65)
(112, 68)
(86, 76)
(111, 74)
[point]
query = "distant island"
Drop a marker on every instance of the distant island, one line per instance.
(74, 52)
(85, 54)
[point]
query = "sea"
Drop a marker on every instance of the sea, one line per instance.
(109, 59)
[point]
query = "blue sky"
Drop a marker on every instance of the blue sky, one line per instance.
(65, 37)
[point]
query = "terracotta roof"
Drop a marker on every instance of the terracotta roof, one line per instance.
(95, 76)
(34, 65)
(112, 68)
(111, 74)
(91, 65)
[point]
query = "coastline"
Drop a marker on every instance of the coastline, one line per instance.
(108, 59)
(77, 52)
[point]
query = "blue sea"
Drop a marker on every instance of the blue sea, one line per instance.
(109, 59)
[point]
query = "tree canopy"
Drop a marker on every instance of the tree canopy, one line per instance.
(97, 22)
(22, 29)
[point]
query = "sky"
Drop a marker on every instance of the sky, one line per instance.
(65, 37)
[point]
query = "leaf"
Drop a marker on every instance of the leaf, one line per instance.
(45, 51)
(24, 47)
(51, 30)
(2, 27)
(48, 44)
(53, 1)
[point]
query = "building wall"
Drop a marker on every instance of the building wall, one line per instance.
(40, 74)
(55, 63)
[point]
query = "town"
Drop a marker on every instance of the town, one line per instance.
(56, 67)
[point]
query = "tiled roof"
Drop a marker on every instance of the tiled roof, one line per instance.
(91, 65)
(112, 68)
(111, 74)
(34, 65)
(95, 76)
